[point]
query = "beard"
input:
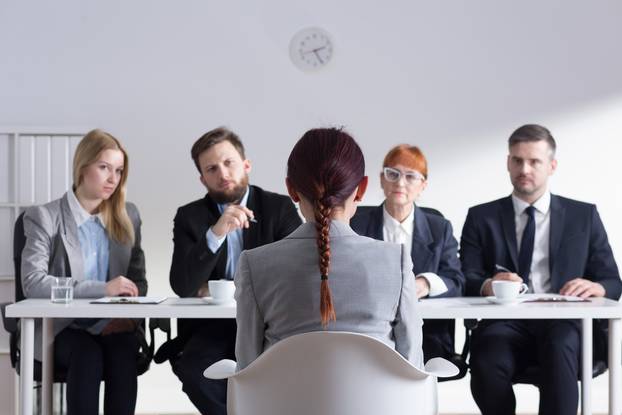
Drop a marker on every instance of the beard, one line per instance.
(230, 196)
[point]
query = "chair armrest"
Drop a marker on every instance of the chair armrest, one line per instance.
(441, 368)
(222, 369)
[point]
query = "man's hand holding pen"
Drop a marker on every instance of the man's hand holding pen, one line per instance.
(233, 217)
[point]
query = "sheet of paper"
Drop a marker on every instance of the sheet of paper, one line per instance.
(129, 300)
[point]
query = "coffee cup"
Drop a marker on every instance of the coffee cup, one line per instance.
(221, 290)
(508, 290)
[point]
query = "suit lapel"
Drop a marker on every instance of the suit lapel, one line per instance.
(374, 227)
(509, 229)
(213, 214)
(421, 243)
(71, 241)
(118, 259)
(558, 214)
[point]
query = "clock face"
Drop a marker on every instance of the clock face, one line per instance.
(311, 49)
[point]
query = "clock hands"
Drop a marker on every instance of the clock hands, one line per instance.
(315, 52)
(317, 55)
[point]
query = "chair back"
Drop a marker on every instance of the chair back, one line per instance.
(332, 373)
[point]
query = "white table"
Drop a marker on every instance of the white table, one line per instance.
(446, 308)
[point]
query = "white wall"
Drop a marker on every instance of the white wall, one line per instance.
(453, 77)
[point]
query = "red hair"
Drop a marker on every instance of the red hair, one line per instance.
(408, 156)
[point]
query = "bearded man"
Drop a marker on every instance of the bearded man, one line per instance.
(209, 234)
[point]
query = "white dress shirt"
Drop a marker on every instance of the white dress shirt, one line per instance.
(402, 233)
(539, 273)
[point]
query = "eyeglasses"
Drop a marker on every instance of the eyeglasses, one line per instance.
(393, 175)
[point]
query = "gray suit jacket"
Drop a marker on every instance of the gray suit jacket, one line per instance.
(373, 287)
(53, 250)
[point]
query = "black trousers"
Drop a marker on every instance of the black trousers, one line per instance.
(207, 344)
(438, 339)
(502, 348)
(89, 359)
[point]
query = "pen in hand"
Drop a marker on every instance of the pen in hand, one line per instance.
(501, 268)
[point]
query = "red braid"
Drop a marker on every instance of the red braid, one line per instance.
(322, 224)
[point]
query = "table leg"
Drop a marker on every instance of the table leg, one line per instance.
(615, 364)
(47, 366)
(26, 361)
(586, 366)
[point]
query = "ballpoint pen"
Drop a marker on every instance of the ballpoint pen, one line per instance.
(501, 268)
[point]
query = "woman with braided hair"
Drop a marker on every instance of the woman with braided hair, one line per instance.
(365, 285)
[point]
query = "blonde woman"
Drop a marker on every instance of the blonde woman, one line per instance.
(92, 235)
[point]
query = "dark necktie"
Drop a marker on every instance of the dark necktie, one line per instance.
(525, 253)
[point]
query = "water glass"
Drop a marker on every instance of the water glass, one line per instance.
(62, 290)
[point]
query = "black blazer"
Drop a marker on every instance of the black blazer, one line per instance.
(194, 263)
(578, 245)
(434, 248)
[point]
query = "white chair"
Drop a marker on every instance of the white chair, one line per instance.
(324, 373)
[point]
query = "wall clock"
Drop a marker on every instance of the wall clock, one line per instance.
(311, 49)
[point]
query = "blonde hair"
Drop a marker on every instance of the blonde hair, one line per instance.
(114, 213)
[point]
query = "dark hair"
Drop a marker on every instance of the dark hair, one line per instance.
(325, 166)
(530, 133)
(213, 137)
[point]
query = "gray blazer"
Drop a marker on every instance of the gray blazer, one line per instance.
(373, 287)
(53, 250)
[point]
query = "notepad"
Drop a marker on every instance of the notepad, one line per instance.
(129, 300)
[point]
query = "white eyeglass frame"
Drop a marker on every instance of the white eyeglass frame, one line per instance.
(410, 177)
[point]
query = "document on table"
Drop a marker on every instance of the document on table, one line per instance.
(129, 300)
(555, 298)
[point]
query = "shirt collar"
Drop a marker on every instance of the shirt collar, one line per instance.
(542, 205)
(393, 224)
(221, 207)
(80, 215)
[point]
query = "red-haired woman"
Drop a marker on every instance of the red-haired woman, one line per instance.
(324, 275)
(425, 233)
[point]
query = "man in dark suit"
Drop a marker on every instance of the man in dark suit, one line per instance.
(209, 235)
(434, 250)
(553, 244)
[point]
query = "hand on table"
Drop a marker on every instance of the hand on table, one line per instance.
(581, 287)
(121, 286)
(423, 287)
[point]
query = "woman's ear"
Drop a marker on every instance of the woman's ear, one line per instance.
(360, 190)
(292, 191)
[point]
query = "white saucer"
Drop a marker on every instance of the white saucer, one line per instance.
(210, 300)
(495, 300)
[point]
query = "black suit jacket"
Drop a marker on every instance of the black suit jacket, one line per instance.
(578, 245)
(434, 248)
(194, 263)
